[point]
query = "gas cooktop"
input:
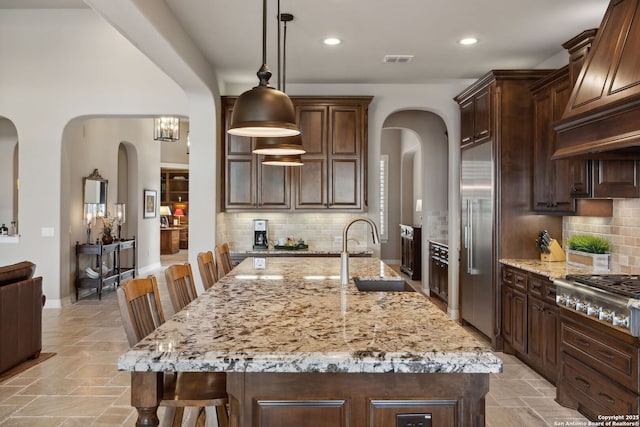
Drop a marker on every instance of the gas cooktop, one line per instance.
(621, 284)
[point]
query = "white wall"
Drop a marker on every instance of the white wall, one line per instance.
(8, 145)
(58, 65)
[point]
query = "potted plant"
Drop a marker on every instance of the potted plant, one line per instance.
(589, 251)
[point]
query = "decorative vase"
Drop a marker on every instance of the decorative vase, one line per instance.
(107, 237)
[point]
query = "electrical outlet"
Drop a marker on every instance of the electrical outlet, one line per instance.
(413, 420)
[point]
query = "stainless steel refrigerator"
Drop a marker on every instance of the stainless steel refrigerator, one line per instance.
(477, 189)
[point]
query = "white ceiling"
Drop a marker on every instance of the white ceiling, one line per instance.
(512, 34)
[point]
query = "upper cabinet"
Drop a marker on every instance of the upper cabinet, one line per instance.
(334, 174)
(248, 184)
(475, 118)
(554, 183)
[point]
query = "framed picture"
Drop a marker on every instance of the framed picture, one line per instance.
(150, 203)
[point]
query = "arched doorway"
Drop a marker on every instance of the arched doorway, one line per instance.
(415, 144)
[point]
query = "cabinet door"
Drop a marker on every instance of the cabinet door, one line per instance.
(519, 321)
(615, 178)
(344, 156)
(240, 169)
(506, 295)
(274, 187)
(535, 333)
(550, 327)
(311, 178)
(554, 181)
(467, 110)
(482, 122)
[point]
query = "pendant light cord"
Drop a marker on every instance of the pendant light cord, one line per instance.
(264, 32)
(280, 78)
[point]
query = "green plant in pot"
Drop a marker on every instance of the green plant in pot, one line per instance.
(589, 244)
(590, 252)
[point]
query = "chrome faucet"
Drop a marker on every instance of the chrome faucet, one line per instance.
(344, 256)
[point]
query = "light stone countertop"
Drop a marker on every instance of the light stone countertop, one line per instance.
(551, 269)
(294, 316)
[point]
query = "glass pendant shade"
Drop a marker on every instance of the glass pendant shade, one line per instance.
(286, 160)
(263, 111)
(281, 146)
(166, 129)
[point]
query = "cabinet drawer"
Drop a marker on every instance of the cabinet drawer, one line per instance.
(550, 293)
(609, 357)
(536, 286)
(596, 393)
(514, 278)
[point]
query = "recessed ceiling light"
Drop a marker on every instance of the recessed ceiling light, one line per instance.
(468, 41)
(332, 41)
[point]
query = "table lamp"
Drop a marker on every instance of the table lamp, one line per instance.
(179, 213)
(165, 212)
(121, 217)
(90, 213)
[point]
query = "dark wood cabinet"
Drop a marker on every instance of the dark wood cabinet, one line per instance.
(556, 183)
(598, 367)
(439, 270)
(475, 115)
(411, 251)
(530, 320)
(106, 267)
(248, 183)
(334, 135)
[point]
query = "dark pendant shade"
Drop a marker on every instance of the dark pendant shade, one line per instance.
(263, 111)
(287, 160)
(279, 146)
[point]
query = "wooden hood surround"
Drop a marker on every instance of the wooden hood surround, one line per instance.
(602, 117)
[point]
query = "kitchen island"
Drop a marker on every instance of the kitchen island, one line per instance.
(298, 345)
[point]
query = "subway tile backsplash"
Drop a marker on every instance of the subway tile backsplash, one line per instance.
(321, 231)
(622, 230)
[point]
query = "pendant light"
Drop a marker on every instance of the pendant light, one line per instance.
(263, 111)
(287, 149)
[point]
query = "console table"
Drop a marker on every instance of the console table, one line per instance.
(114, 275)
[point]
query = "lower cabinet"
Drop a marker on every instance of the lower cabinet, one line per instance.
(530, 321)
(598, 368)
(439, 270)
(411, 251)
(357, 399)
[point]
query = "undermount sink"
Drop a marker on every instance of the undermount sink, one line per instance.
(381, 285)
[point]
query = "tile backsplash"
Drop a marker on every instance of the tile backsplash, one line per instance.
(321, 231)
(622, 230)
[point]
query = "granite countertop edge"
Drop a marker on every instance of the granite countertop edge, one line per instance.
(430, 362)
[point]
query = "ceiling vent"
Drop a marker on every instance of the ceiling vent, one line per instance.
(398, 59)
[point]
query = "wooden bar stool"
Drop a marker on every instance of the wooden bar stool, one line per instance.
(185, 394)
(223, 259)
(208, 269)
(180, 284)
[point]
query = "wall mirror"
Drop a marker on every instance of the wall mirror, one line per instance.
(95, 191)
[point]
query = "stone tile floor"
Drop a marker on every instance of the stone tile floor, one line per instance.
(80, 386)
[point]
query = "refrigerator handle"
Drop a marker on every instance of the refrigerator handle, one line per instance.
(469, 236)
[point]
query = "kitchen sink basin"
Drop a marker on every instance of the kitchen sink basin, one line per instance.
(381, 285)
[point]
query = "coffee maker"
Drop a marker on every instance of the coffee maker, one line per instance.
(260, 234)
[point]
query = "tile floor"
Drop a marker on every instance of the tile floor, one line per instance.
(80, 386)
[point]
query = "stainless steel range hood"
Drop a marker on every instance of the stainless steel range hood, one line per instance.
(602, 118)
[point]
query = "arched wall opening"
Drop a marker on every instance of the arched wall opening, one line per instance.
(416, 143)
(9, 176)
